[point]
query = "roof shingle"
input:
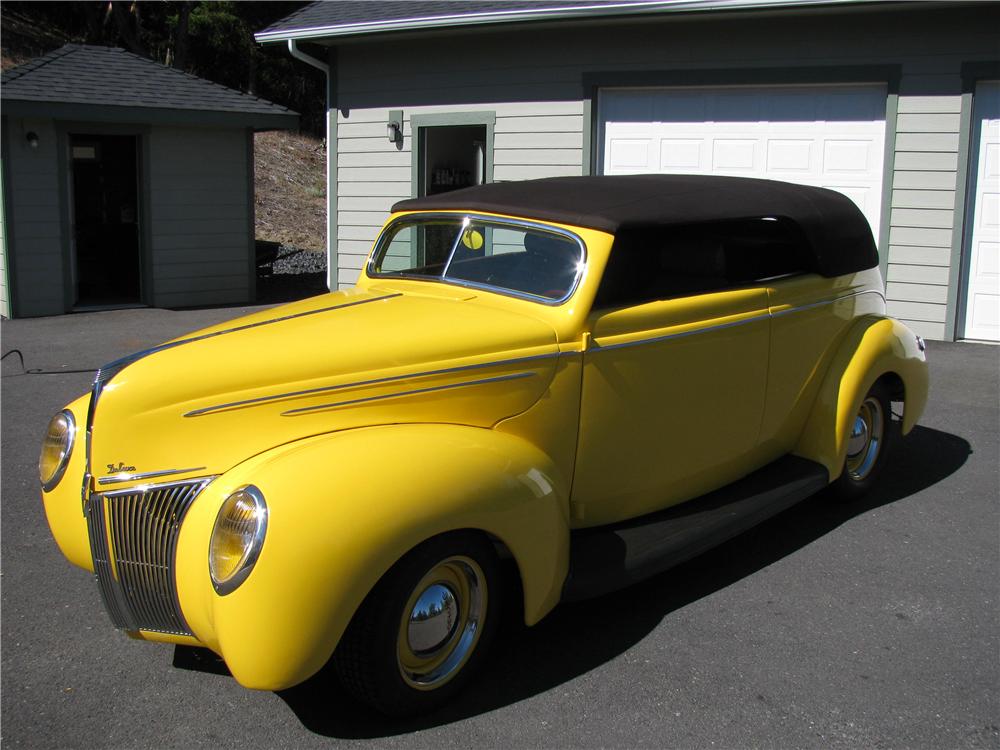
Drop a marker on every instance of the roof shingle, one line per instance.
(112, 77)
(333, 18)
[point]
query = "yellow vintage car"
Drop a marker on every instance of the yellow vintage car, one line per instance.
(590, 379)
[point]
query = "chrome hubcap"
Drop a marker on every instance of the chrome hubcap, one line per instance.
(441, 623)
(433, 620)
(865, 441)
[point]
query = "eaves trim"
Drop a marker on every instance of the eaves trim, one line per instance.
(149, 115)
(584, 10)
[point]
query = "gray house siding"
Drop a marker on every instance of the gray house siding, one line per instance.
(539, 90)
(196, 216)
(199, 217)
(33, 227)
(922, 212)
(531, 139)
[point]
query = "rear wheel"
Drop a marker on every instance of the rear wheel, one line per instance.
(867, 445)
(424, 628)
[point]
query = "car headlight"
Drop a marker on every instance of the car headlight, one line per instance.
(56, 449)
(237, 538)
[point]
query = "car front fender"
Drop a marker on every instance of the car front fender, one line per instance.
(874, 347)
(342, 509)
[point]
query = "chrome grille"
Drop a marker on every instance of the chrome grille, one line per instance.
(133, 540)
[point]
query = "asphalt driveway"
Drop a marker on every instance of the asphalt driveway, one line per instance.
(868, 625)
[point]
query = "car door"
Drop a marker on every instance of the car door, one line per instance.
(673, 387)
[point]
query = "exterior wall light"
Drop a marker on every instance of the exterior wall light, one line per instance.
(394, 128)
(395, 132)
(32, 138)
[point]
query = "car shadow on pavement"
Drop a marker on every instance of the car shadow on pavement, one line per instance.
(578, 637)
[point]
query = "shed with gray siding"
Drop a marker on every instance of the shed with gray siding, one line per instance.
(888, 102)
(125, 183)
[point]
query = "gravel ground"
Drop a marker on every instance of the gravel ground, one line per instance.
(294, 274)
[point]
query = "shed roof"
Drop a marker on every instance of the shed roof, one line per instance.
(340, 18)
(110, 84)
(836, 230)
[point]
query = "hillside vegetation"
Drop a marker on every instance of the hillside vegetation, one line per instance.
(290, 189)
(213, 40)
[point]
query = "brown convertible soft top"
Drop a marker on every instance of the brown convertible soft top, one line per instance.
(837, 232)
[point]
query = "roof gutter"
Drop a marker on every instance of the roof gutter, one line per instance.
(298, 54)
(331, 150)
(583, 10)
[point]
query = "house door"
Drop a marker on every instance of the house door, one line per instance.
(106, 220)
(451, 157)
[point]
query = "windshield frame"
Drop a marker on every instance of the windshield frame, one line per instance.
(462, 218)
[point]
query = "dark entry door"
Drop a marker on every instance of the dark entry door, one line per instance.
(453, 157)
(106, 219)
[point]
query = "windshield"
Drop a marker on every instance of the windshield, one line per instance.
(493, 254)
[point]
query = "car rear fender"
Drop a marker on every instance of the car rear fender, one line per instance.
(874, 347)
(342, 509)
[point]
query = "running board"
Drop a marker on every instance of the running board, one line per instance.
(612, 557)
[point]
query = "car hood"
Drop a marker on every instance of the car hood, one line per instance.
(200, 404)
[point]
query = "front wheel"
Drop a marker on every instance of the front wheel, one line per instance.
(424, 628)
(867, 445)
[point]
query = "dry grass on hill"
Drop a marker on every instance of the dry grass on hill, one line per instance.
(290, 185)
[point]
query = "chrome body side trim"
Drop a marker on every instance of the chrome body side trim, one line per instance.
(466, 215)
(118, 365)
(400, 394)
(680, 335)
(812, 305)
(374, 381)
(731, 324)
(128, 477)
(108, 371)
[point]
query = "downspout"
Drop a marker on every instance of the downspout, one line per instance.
(331, 155)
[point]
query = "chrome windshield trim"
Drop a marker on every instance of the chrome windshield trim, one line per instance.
(127, 477)
(400, 394)
(374, 381)
(466, 215)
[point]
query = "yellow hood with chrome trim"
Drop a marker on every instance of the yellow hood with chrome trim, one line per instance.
(354, 358)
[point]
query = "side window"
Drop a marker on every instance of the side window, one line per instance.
(652, 263)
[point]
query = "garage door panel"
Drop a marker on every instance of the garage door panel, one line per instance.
(734, 155)
(680, 154)
(864, 197)
(813, 135)
(982, 312)
(848, 156)
(629, 153)
(786, 155)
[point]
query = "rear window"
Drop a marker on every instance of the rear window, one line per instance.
(507, 257)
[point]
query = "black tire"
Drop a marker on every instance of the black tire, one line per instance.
(377, 659)
(869, 445)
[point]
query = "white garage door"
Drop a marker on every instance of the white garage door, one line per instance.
(828, 136)
(982, 313)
